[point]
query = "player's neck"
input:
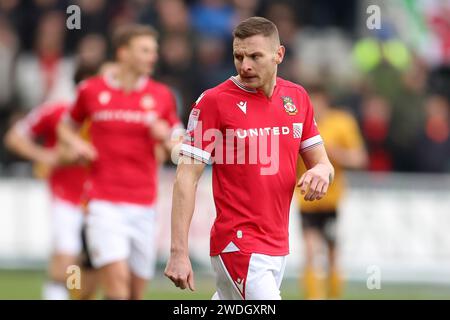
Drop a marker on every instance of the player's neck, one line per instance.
(269, 87)
(127, 79)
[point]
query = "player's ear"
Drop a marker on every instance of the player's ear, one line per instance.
(280, 54)
(121, 53)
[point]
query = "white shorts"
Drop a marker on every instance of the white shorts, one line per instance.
(253, 276)
(122, 231)
(66, 223)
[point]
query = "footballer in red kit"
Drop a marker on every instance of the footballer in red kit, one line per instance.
(287, 115)
(34, 137)
(251, 128)
(66, 184)
(41, 123)
(120, 133)
(130, 114)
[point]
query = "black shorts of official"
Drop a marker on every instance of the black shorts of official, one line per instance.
(85, 262)
(324, 222)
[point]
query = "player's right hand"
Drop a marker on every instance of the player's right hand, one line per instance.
(83, 151)
(50, 158)
(179, 271)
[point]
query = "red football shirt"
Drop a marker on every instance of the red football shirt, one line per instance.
(253, 143)
(66, 182)
(126, 168)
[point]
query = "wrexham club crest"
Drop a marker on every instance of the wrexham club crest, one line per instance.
(289, 106)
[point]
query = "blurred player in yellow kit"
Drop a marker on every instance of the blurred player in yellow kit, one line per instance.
(345, 148)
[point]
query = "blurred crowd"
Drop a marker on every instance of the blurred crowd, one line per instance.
(395, 80)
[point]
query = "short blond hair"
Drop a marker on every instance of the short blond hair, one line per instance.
(124, 34)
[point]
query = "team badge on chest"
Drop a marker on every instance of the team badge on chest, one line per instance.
(147, 102)
(289, 106)
(104, 97)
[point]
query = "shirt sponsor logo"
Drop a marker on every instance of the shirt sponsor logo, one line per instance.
(104, 97)
(243, 106)
(128, 116)
(257, 132)
(147, 102)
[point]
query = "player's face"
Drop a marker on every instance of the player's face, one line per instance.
(256, 59)
(142, 54)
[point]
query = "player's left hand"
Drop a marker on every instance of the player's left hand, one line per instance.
(314, 183)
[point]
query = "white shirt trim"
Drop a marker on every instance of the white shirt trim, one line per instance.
(115, 84)
(240, 85)
(195, 153)
(311, 143)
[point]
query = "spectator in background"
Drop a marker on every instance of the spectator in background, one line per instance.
(177, 69)
(433, 141)
(213, 18)
(8, 50)
(439, 81)
(95, 16)
(92, 50)
(9, 45)
(213, 67)
(382, 58)
(245, 9)
(45, 75)
(173, 17)
(396, 73)
(282, 14)
(10, 11)
(325, 13)
(375, 125)
(29, 16)
(407, 113)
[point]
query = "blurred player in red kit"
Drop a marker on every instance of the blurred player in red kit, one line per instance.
(35, 138)
(130, 114)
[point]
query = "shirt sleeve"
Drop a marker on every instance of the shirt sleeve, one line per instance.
(79, 110)
(310, 137)
(203, 129)
(39, 122)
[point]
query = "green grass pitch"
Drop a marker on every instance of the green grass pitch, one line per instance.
(27, 285)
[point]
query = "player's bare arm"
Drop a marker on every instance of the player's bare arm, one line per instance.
(26, 147)
(161, 132)
(169, 139)
(81, 149)
(179, 269)
(315, 181)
